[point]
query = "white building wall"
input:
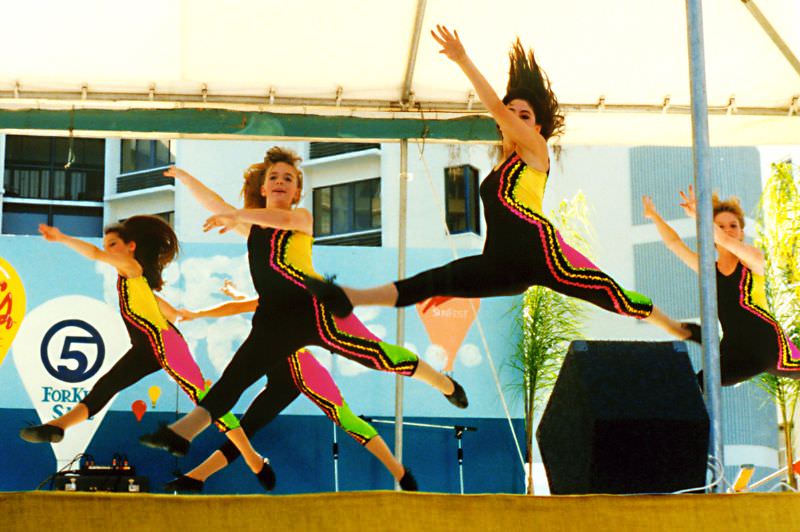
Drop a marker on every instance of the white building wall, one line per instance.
(2, 173)
(425, 221)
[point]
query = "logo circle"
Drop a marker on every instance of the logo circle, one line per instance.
(69, 352)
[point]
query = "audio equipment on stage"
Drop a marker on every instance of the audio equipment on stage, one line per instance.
(625, 417)
(119, 476)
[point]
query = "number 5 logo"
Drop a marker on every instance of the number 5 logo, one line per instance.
(79, 368)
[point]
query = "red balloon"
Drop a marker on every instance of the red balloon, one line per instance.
(139, 407)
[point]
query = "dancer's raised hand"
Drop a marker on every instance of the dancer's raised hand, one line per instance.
(450, 43)
(225, 221)
(176, 173)
(229, 289)
(650, 211)
(50, 233)
(689, 203)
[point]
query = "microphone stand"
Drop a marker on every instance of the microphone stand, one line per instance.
(335, 460)
(459, 431)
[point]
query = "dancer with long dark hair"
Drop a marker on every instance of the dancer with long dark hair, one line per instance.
(139, 249)
(753, 341)
(287, 317)
(522, 247)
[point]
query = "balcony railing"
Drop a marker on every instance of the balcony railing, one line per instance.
(327, 149)
(143, 179)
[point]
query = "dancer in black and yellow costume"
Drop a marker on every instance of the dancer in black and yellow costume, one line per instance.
(140, 248)
(753, 341)
(286, 379)
(287, 317)
(522, 247)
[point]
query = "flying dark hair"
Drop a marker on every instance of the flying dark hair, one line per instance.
(156, 244)
(527, 81)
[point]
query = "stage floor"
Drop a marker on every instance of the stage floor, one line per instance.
(392, 511)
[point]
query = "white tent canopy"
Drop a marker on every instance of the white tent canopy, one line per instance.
(619, 67)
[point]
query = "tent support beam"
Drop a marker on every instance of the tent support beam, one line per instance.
(408, 79)
(401, 312)
(705, 228)
(773, 34)
(406, 101)
(66, 100)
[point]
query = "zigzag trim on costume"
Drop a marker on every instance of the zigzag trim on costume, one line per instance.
(357, 346)
(559, 265)
(785, 361)
(280, 242)
(328, 407)
(153, 334)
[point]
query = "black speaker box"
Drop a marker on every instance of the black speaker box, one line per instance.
(625, 417)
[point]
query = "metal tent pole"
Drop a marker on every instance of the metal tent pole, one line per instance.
(407, 100)
(705, 227)
(401, 313)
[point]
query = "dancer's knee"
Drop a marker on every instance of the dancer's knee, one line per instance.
(356, 427)
(230, 451)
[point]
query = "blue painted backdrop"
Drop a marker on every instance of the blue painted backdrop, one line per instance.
(299, 442)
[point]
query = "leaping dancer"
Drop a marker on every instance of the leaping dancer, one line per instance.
(522, 247)
(753, 341)
(140, 248)
(287, 318)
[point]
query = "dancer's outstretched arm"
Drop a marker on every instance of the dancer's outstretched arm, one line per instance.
(204, 195)
(289, 220)
(228, 308)
(750, 256)
(669, 236)
(126, 265)
(530, 143)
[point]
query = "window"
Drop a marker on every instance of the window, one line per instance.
(462, 199)
(328, 149)
(352, 211)
(140, 155)
(39, 189)
(167, 216)
(143, 163)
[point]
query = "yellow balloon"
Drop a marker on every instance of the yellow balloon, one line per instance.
(12, 306)
(154, 392)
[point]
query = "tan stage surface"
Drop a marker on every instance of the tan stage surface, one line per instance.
(390, 511)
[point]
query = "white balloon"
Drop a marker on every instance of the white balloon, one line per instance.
(63, 347)
(469, 355)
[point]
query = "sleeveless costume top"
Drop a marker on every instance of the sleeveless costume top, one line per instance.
(512, 202)
(278, 260)
(745, 318)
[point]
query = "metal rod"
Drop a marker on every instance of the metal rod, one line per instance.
(100, 100)
(773, 34)
(401, 313)
(459, 431)
(460, 456)
(462, 428)
(705, 229)
(335, 460)
(408, 79)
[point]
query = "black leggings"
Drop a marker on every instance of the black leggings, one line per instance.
(134, 365)
(278, 333)
(546, 261)
(742, 359)
(276, 396)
